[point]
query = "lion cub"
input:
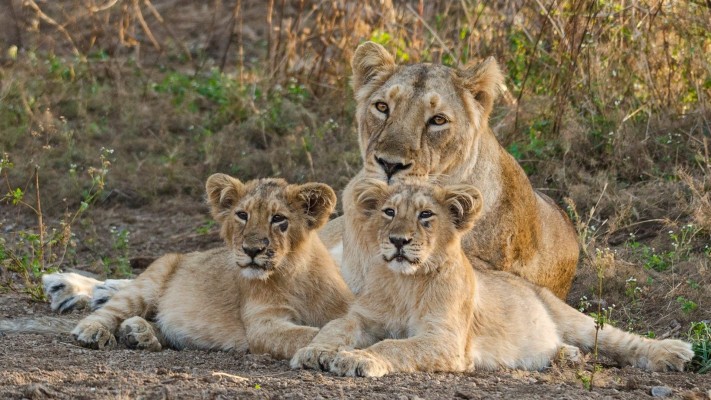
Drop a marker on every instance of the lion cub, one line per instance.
(424, 308)
(267, 290)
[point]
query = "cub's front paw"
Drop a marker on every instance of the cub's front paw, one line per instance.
(668, 355)
(358, 363)
(314, 357)
(137, 333)
(93, 335)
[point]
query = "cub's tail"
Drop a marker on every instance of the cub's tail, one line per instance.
(626, 348)
(37, 325)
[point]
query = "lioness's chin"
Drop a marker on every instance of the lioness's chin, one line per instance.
(256, 273)
(404, 267)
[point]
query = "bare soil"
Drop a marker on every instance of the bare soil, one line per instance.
(38, 366)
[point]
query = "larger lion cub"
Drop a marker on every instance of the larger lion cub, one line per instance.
(424, 308)
(267, 290)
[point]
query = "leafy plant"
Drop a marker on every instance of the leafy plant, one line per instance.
(700, 337)
(687, 306)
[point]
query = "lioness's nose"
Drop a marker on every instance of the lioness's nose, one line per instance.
(399, 241)
(253, 251)
(391, 168)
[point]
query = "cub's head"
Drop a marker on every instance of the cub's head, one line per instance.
(417, 225)
(420, 120)
(266, 221)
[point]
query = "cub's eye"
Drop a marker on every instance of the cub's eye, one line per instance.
(438, 120)
(242, 215)
(389, 212)
(425, 214)
(277, 218)
(382, 107)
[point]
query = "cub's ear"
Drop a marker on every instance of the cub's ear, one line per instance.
(317, 200)
(369, 195)
(484, 81)
(223, 192)
(370, 59)
(464, 205)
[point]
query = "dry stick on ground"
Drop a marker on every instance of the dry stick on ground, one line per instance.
(445, 48)
(236, 12)
(40, 221)
(270, 10)
(46, 18)
(168, 29)
(530, 63)
(144, 25)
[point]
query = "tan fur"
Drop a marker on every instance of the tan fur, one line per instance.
(424, 308)
(520, 231)
(272, 301)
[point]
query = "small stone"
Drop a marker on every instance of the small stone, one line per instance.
(661, 391)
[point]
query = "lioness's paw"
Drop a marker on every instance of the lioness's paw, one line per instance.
(314, 357)
(358, 363)
(68, 291)
(93, 335)
(137, 333)
(667, 355)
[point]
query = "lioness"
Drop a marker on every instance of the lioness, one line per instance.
(268, 290)
(430, 122)
(424, 308)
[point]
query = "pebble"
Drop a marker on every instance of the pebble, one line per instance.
(661, 391)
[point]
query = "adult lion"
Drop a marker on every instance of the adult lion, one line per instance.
(424, 308)
(430, 122)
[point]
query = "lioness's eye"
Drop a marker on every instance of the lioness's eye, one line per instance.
(426, 214)
(389, 212)
(382, 107)
(438, 120)
(277, 218)
(242, 215)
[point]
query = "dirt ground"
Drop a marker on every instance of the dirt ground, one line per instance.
(38, 366)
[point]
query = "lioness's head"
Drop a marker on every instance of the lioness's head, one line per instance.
(420, 120)
(265, 221)
(417, 224)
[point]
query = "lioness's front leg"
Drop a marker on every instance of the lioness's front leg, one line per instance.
(427, 352)
(344, 333)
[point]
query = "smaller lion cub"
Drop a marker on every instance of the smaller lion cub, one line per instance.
(424, 308)
(268, 290)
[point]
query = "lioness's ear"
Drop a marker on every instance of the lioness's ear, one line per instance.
(483, 81)
(317, 200)
(223, 192)
(369, 60)
(464, 204)
(369, 195)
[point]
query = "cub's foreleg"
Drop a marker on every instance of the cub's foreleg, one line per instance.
(270, 329)
(139, 298)
(626, 348)
(431, 350)
(346, 333)
(137, 333)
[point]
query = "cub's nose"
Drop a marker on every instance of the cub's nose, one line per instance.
(399, 241)
(253, 251)
(391, 168)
